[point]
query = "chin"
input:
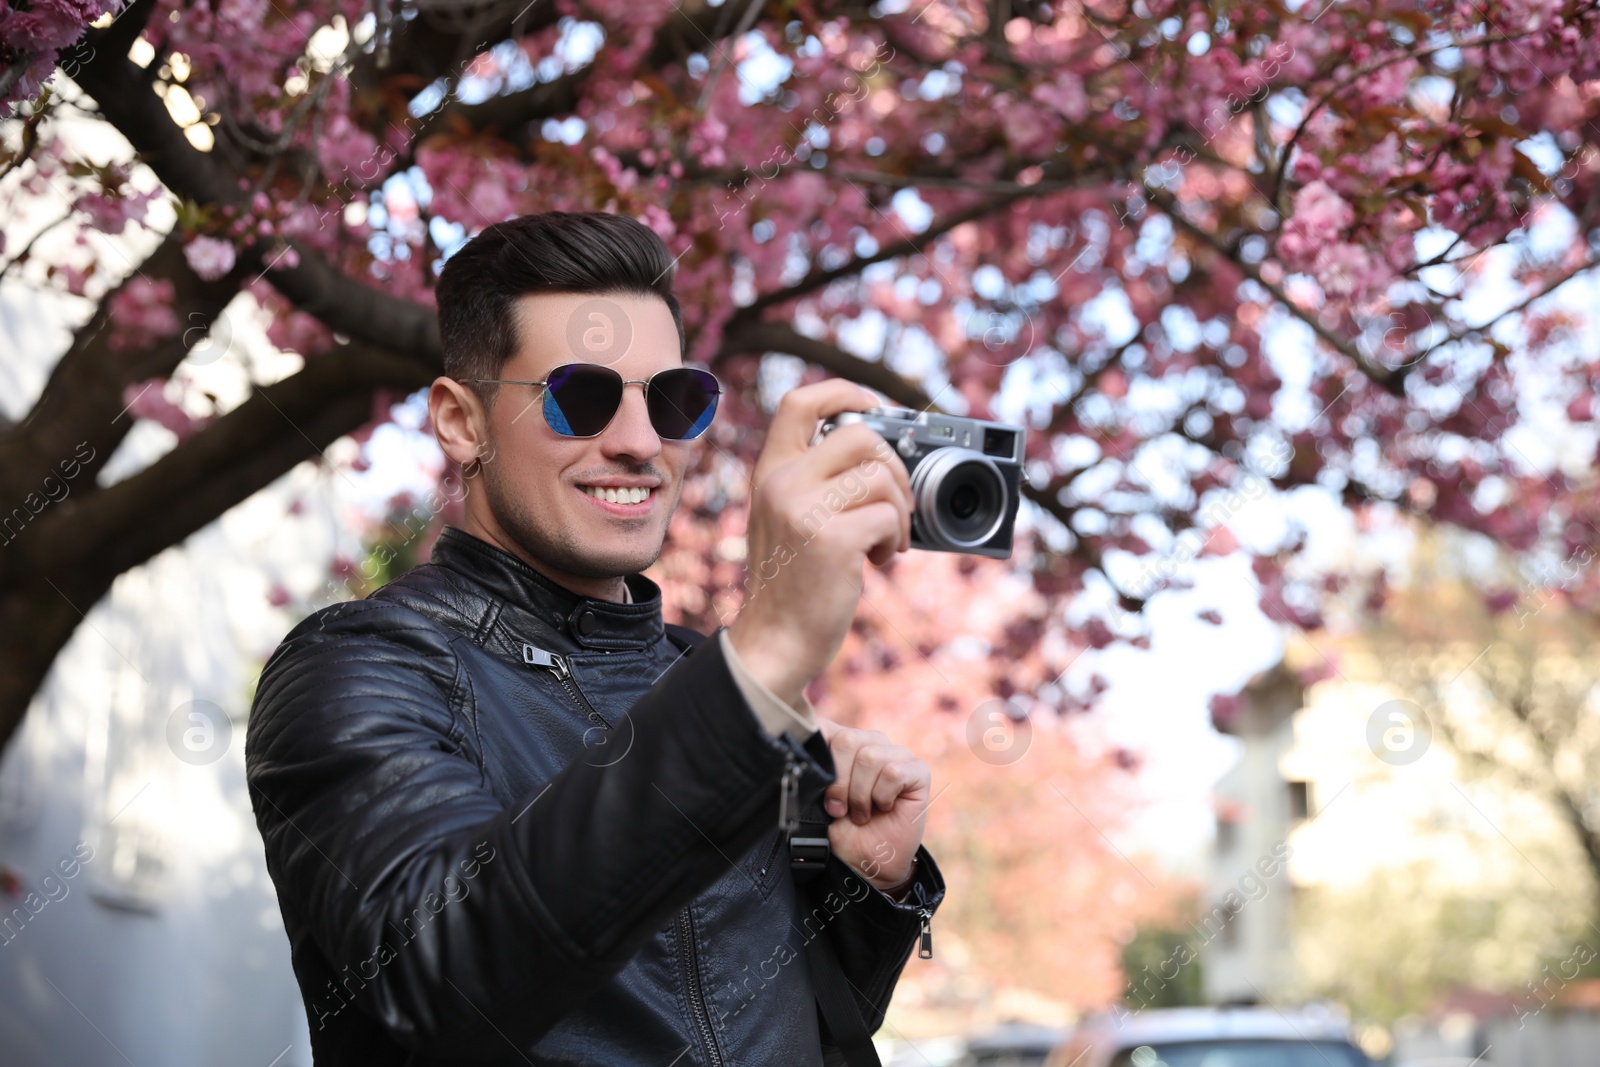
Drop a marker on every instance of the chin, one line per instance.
(605, 554)
(616, 564)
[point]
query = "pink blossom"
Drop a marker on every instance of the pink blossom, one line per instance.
(1065, 94)
(349, 154)
(1029, 130)
(209, 257)
(141, 312)
(76, 278)
(1348, 270)
(1319, 217)
(1225, 709)
(295, 331)
(46, 25)
(117, 202)
(657, 218)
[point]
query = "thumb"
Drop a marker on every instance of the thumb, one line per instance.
(794, 424)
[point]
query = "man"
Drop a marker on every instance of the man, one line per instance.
(510, 816)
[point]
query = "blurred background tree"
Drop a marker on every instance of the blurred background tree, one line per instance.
(1504, 667)
(1108, 221)
(1483, 868)
(1158, 951)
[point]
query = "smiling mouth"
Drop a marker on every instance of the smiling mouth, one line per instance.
(618, 495)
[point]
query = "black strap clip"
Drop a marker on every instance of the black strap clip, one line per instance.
(807, 855)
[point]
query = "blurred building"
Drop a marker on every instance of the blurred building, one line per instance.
(1247, 914)
(1403, 876)
(137, 921)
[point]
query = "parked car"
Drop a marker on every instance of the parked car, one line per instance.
(1012, 1045)
(1211, 1037)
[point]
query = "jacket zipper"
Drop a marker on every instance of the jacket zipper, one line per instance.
(772, 854)
(789, 797)
(788, 807)
(691, 978)
(925, 935)
(553, 661)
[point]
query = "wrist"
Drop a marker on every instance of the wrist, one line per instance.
(769, 665)
(896, 889)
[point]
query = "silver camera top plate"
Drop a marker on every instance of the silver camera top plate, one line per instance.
(908, 429)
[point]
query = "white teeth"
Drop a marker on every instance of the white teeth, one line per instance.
(625, 495)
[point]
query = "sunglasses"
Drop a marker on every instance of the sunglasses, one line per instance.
(581, 399)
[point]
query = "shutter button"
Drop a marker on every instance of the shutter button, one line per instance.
(586, 623)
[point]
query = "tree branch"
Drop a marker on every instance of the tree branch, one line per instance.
(344, 304)
(1391, 380)
(1352, 79)
(758, 337)
(83, 396)
(915, 243)
(1515, 309)
(222, 464)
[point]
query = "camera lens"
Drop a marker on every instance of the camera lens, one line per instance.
(963, 501)
(960, 498)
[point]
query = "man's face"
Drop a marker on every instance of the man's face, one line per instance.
(539, 485)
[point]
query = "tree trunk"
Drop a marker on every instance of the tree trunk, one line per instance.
(61, 560)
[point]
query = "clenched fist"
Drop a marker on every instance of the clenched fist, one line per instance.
(877, 803)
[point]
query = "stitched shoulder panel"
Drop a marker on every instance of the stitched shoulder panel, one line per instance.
(443, 596)
(360, 651)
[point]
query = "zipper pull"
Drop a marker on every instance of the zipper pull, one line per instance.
(538, 657)
(789, 798)
(925, 946)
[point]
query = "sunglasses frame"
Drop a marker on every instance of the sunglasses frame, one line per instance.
(645, 382)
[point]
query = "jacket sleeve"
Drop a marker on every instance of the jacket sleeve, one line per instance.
(438, 908)
(875, 938)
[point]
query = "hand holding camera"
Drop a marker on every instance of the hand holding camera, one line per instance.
(817, 514)
(877, 481)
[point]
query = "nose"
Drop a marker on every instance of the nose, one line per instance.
(630, 435)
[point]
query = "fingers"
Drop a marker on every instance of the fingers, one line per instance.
(872, 774)
(848, 471)
(858, 448)
(880, 527)
(853, 457)
(795, 422)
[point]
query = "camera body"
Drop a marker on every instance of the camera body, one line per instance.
(966, 476)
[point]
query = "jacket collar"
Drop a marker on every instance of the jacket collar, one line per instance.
(589, 622)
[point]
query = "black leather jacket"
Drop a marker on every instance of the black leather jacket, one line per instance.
(511, 824)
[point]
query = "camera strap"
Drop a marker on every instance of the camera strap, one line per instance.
(835, 994)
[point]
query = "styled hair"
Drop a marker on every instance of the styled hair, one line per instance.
(551, 252)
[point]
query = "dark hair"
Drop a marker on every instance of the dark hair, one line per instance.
(551, 252)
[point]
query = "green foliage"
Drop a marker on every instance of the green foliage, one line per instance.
(1155, 966)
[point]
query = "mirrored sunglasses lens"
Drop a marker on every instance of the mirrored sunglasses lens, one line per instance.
(580, 399)
(682, 402)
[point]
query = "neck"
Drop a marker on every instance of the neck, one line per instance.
(613, 589)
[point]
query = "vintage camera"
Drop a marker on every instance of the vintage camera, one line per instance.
(966, 476)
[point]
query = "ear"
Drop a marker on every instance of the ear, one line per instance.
(460, 421)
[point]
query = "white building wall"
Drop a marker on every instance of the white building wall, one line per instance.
(1245, 930)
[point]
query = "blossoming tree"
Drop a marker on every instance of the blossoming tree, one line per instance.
(1203, 250)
